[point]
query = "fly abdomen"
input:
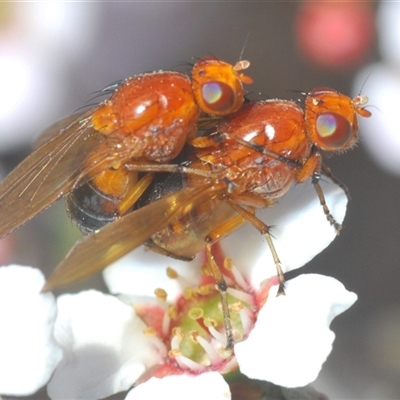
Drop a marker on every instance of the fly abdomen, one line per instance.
(90, 209)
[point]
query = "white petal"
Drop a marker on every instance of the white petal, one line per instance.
(299, 227)
(379, 133)
(105, 349)
(210, 385)
(142, 271)
(291, 339)
(28, 352)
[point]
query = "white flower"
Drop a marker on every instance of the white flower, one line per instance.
(182, 387)
(291, 350)
(172, 340)
(105, 349)
(28, 352)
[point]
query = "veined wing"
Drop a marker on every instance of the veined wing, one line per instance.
(55, 129)
(59, 165)
(94, 252)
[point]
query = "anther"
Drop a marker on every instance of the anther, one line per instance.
(178, 333)
(196, 313)
(228, 263)
(236, 307)
(150, 331)
(172, 274)
(174, 353)
(206, 270)
(205, 290)
(161, 294)
(193, 336)
(172, 312)
(210, 322)
(188, 293)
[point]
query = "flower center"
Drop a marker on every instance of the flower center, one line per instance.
(193, 327)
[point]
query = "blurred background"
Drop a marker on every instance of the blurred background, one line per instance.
(54, 55)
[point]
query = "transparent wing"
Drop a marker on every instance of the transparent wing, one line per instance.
(66, 160)
(55, 129)
(94, 252)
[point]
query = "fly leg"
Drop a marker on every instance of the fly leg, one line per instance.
(214, 236)
(312, 168)
(315, 181)
(222, 288)
(265, 231)
(328, 173)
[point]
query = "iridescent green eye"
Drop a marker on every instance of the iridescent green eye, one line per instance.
(218, 96)
(334, 130)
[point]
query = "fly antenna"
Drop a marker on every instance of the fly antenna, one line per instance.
(244, 45)
(364, 82)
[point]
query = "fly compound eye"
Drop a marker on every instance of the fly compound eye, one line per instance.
(219, 97)
(218, 86)
(333, 130)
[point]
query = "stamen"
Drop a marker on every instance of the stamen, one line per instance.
(263, 292)
(229, 280)
(210, 350)
(176, 339)
(210, 322)
(242, 296)
(228, 263)
(206, 270)
(239, 279)
(220, 337)
(196, 313)
(185, 362)
(172, 311)
(247, 319)
(178, 333)
(161, 294)
(150, 331)
(166, 322)
(193, 336)
(206, 290)
(203, 345)
(189, 293)
(158, 344)
(171, 273)
(236, 307)
(174, 353)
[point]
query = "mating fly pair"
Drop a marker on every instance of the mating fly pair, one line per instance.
(107, 162)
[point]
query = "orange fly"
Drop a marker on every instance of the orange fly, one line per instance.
(148, 119)
(247, 162)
